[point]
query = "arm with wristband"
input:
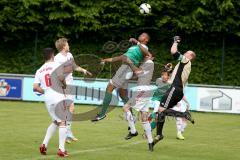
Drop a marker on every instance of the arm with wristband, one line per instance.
(174, 49)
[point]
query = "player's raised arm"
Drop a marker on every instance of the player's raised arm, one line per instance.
(124, 59)
(144, 51)
(80, 69)
(174, 48)
(114, 59)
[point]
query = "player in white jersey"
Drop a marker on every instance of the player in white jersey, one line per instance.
(49, 80)
(140, 100)
(66, 58)
(181, 122)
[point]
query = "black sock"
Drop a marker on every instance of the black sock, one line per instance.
(160, 123)
(173, 113)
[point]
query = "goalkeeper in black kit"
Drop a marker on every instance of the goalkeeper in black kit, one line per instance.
(174, 94)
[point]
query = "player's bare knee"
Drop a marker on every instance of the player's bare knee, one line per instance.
(109, 88)
(126, 108)
(122, 93)
(144, 116)
(62, 123)
(59, 123)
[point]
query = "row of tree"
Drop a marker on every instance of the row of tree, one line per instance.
(19, 18)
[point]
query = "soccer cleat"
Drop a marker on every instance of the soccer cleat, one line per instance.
(180, 136)
(74, 139)
(98, 118)
(150, 146)
(131, 135)
(43, 149)
(188, 116)
(157, 139)
(62, 154)
(68, 141)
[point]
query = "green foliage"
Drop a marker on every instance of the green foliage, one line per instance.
(88, 24)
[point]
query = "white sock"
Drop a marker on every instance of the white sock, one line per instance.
(69, 130)
(179, 125)
(50, 131)
(131, 122)
(148, 132)
(183, 126)
(62, 137)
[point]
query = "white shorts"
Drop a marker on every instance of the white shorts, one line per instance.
(56, 105)
(141, 105)
(121, 77)
(141, 99)
(123, 86)
(181, 106)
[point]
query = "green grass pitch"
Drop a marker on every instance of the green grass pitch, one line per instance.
(23, 126)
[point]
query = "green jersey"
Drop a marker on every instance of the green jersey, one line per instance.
(161, 90)
(135, 54)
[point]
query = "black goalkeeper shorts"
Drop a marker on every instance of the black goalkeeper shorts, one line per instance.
(172, 97)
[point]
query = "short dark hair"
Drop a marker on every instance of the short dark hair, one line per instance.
(48, 53)
(165, 71)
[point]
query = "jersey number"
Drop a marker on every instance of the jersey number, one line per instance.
(48, 80)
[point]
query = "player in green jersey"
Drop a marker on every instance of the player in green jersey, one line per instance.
(120, 80)
(163, 85)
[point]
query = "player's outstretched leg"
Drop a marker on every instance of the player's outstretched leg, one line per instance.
(188, 116)
(173, 113)
(50, 132)
(106, 102)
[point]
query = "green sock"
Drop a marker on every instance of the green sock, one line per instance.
(153, 125)
(106, 101)
(153, 115)
(125, 100)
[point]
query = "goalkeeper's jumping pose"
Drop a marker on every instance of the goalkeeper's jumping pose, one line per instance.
(174, 94)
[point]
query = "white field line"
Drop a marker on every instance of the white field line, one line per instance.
(88, 150)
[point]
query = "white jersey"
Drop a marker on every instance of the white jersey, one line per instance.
(43, 75)
(60, 59)
(46, 77)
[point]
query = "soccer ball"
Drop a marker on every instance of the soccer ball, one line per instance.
(145, 8)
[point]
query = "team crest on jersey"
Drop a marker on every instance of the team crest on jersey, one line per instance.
(4, 88)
